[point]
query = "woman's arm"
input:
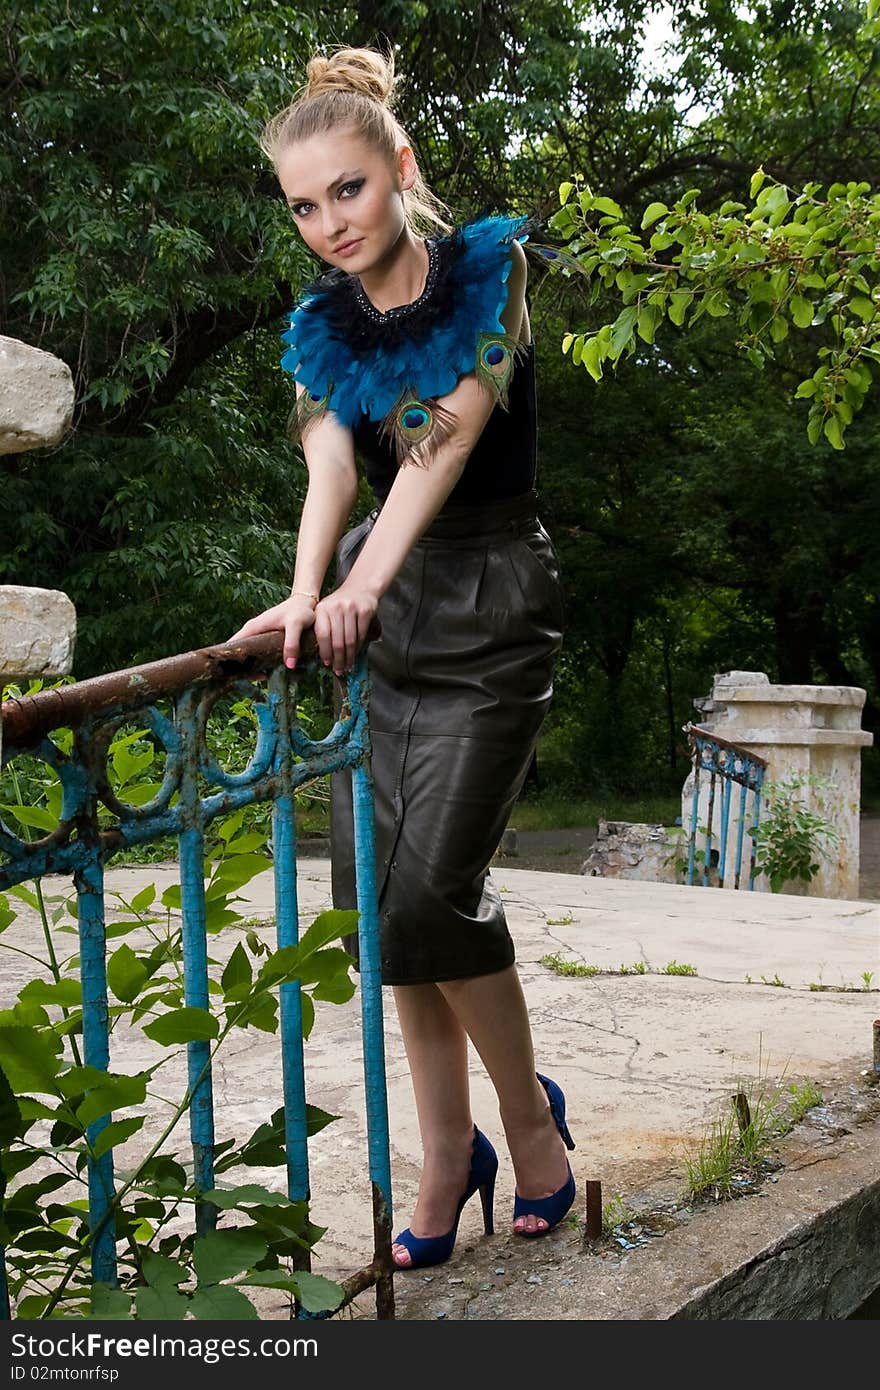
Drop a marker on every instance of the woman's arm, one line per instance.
(328, 448)
(414, 500)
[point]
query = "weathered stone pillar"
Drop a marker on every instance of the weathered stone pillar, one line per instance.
(37, 626)
(810, 730)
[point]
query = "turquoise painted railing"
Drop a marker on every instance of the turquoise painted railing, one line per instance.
(729, 765)
(194, 791)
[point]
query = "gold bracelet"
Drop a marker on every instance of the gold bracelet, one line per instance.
(301, 593)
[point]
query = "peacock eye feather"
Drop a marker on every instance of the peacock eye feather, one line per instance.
(495, 361)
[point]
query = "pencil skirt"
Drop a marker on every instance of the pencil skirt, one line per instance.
(461, 679)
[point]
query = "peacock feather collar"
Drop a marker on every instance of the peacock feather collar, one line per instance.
(391, 367)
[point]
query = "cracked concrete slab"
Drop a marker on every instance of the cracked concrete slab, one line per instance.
(645, 1061)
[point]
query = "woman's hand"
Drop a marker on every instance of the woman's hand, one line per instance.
(291, 617)
(342, 621)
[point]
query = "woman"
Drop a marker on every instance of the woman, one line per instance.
(418, 351)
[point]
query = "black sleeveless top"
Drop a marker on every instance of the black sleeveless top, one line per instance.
(501, 463)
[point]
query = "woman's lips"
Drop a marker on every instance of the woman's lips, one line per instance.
(348, 247)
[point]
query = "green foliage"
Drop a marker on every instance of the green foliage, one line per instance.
(792, 839)
(789, 260)
(66, 1112)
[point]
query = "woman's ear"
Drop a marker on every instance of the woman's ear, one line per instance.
(407, 167)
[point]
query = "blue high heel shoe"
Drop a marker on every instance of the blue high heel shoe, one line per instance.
(550, 1209)
(433, 1250)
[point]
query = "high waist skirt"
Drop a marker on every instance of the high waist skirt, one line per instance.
(461, 679)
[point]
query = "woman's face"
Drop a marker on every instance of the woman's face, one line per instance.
(345, 197)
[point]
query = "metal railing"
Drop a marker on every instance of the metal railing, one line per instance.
(195, 790)
(731, 765)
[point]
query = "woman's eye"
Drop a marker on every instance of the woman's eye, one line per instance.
(302, 209)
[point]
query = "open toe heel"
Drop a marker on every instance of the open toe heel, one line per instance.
(553, 1208)
(433, 1250)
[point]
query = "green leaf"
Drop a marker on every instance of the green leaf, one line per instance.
(317, 1294)
(565, 191)
(183, 1025)
(116, 1133)
(61, 992)
(234, 873)
(862, 308)
(221, 1254)
(161, 1272)
(238, 970)
(592, 358)
(622, 331)
(678, 303)
(110, 1304)
(29, 1059)
(806, 389)
(652, 212)
(756, 183)
(220, 1302)
(11, 1118)
(227, 1198)
(801, 311)
(32, 816)
(171, 897)
(308, 1014)
(126, 974)
(117, 1093)
(144, 899)
(161, 1304)
(566, 344)
(649, 317)
(833, 432)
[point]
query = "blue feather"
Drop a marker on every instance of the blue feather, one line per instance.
(355, 385)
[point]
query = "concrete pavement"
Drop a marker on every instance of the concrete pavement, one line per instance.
(645, 1061)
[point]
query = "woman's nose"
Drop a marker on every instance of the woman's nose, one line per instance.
(333, 222)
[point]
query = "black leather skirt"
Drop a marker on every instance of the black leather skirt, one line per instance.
(461, 678)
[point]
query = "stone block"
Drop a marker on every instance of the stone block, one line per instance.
(36, 397)
(635, 850)
(37, 632)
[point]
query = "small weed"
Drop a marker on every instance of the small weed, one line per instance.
(565, 921)
(615, 1214)
(736, 1148)
(803, 1098)
(776, 982)
(867, 977)
(673, 968)
(638, 967)
(749, 980)
(560, 966)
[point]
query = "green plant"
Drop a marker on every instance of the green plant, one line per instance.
(791, 839)
(560, 966)
(736, 1146)
(779, 984)
(867, 977)
(564, 921)
(803, 1098)
(615, 1214)
(64, 1113)
(673, 968)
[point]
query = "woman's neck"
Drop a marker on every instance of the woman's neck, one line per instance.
(400, 277)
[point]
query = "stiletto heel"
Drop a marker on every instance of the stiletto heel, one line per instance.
(433, 1250)
(553, 1208)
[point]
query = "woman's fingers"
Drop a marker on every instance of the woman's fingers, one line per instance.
(341, 624)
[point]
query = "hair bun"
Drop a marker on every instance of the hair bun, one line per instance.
(362, 70)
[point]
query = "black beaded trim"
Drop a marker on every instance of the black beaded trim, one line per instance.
(351, 318)
(400, 310)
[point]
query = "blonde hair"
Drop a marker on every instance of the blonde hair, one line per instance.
(352, 89)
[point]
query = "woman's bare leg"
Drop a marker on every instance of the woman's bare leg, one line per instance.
(492, 1010)
(436, 1021)
(436, 1049)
